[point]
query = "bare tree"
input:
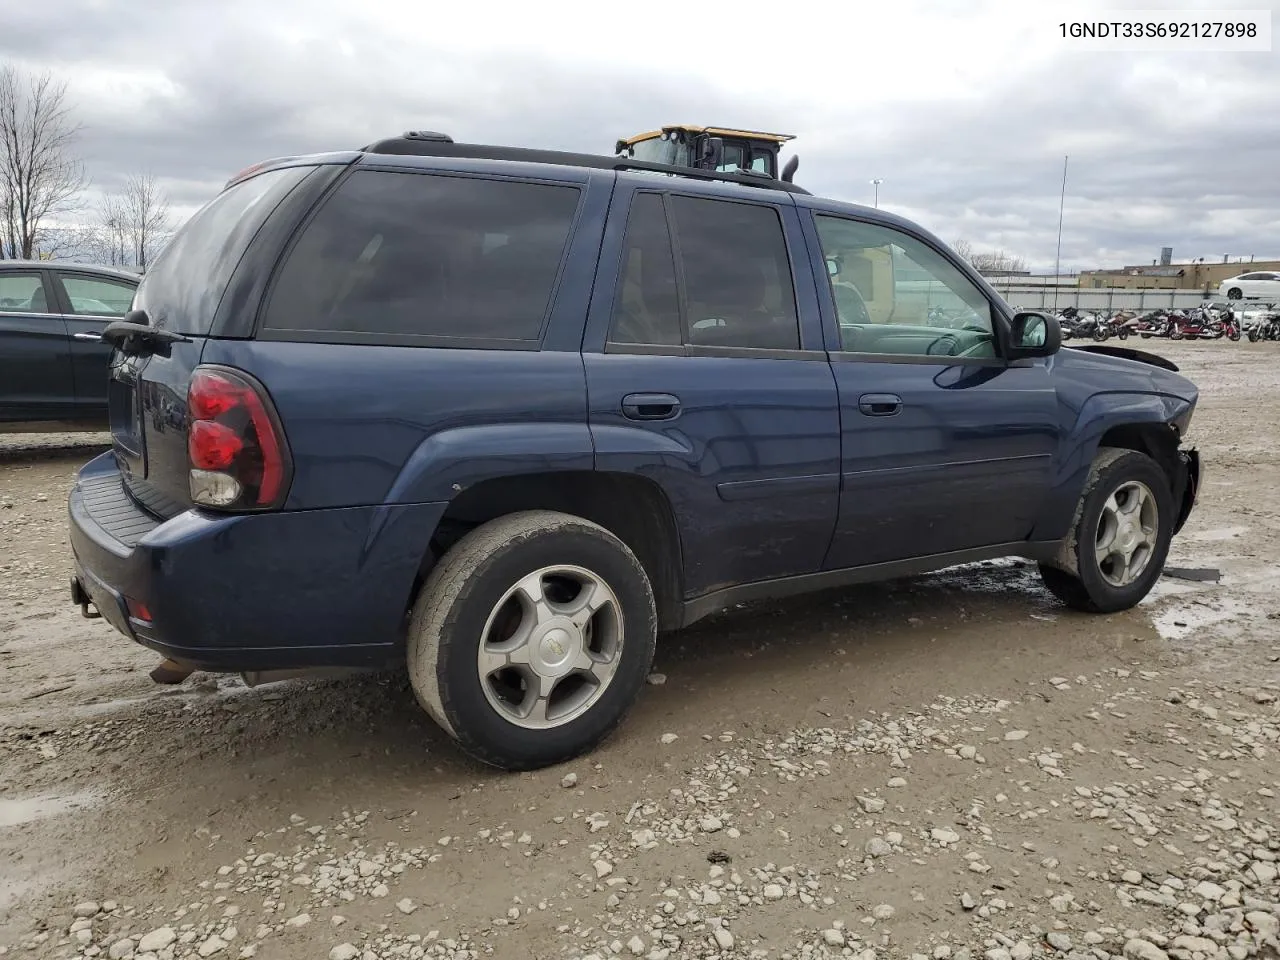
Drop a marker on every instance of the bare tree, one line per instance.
(112, 239)
(134, 224)
(146, 209)
(997, 260)
(39, 173)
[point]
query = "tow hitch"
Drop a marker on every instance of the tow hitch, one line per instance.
(82, 600)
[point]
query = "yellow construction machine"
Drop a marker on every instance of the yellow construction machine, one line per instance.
(719, 149)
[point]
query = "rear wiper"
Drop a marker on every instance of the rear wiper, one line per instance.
(134, 334)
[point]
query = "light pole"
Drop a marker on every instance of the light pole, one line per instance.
(1057, 260)
(876, 182)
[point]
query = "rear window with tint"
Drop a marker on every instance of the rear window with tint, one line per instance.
(181, 289)
(426, 258)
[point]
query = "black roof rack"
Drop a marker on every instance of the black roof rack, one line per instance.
(430, 144)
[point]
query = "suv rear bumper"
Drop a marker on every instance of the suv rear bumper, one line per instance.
(248, 592)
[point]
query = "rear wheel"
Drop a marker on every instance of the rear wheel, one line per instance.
(1119, 538)
(531, 638)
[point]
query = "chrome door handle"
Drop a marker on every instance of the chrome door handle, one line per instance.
(95, 337)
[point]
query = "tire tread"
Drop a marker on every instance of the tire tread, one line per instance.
(1061, 575)
(445, 593)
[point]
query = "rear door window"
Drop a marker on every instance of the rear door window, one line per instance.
(182, 288)
(737, 274)
(429, 259)
(733, 287)
(97, 296)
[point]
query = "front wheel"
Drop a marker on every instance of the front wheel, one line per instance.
(1235, 293)
(1116, 548)
(531, 638)
(1253, 334)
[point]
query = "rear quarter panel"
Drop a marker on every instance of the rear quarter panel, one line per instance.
(375, 424)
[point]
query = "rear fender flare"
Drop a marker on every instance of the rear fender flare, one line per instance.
(448, 462)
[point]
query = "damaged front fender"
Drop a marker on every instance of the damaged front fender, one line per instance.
(1188, 485)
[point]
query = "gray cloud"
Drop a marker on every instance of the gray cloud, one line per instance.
(1166, 149)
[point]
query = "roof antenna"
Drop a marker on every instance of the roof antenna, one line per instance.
(789, 171)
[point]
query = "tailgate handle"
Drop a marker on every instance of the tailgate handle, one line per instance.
(650, 406)
(880, 404)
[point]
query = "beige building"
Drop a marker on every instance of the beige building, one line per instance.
(1195, 275)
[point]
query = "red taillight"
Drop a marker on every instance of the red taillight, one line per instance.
(212, 445)
(235, 448)
(138, 610)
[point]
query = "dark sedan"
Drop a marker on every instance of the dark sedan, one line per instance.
(53, 368)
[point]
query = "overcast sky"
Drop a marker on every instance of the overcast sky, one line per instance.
(965, 109)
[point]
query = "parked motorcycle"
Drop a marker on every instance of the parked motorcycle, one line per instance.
(1153, 323)
(1124, 324)
(1264, 327)
(1084, 326)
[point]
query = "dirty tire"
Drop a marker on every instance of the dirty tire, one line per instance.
(1073, 576)
(451, 610)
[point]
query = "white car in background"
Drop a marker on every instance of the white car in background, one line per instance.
(1251, 286)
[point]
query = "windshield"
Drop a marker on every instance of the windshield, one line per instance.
(182, 289)
(657, 150)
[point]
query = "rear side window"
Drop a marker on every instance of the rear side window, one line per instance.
(426, 258)
(182, 288)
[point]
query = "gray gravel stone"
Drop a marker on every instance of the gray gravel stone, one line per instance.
(157, 940)
(1139, 949)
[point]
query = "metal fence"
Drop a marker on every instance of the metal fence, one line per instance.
(1058, 296)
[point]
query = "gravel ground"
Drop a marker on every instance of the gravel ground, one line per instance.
(947, 767)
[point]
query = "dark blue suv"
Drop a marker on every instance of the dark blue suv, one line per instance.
(504, 415)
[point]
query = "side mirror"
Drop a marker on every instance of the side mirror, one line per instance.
(1034, 334)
